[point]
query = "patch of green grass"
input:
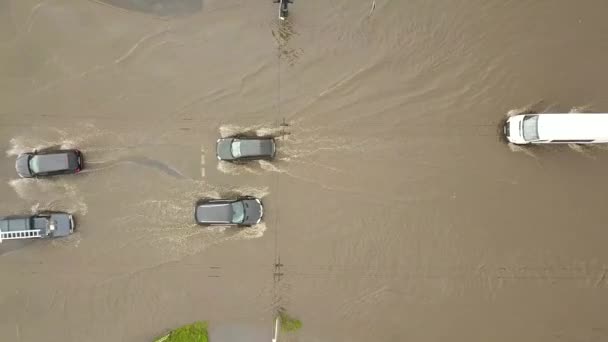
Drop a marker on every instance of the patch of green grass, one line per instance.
(288, 323)
(195, 332)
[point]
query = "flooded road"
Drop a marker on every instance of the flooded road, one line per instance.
(397, 211)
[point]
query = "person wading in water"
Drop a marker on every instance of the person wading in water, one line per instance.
(284, 12)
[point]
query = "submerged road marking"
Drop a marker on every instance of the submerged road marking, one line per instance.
(202, 162)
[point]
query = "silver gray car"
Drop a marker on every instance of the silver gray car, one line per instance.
(244, 211)
(48, 163)
(240, 149)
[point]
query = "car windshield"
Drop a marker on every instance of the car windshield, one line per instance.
(238, 212)
(530, 129)
(236, 148)
(34, 164)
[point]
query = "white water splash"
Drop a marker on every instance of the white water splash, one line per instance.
(531, 108)
(32, 188)
(268, 166)
(513, 112)
(254, 167)
(64, 205)
(295, 145)
(269, 131)
(580, 109)
(168, 225)
(236, 169)
(263, 130)
(85, 136)
(518, 148)
(50, 195)
(19, 145)
(251, 191)
(231, 130)
(583, 150)
(248, 233)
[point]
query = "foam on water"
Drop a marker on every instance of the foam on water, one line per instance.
(261, 130)
(581, 109)
(528, 109)
(583, 150)
(246, 191)
(254, 167)
(169, 226)
(269, 131)
(305, 148)
(268, 166)
(513, 112)
(294, 146)
(97, 145)
(236, 169)
(248, 233)
(189, 240)
(50, 195)
(231, 130)
(69, 204)
(19, 145)
(189, 190)
(32, 188)
(518, 148)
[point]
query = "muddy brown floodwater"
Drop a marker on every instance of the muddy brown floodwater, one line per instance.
(397, 211)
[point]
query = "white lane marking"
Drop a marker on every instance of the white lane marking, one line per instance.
(202, 162)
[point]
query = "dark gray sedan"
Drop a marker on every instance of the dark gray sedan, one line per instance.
(49, 163)
(245, 211)
(43, 225)
(244, 149)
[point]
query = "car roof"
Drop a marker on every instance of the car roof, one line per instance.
(573, 126)
(52, 162)
(214, 212)
(255, 147)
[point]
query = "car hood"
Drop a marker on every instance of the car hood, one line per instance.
(22, 165)
(214, 213)
(73, 160)
(253, 211)
(63, 225)
(257, 147)
(514, 130)
(224, 147)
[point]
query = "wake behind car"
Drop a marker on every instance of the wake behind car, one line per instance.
(243, 211)
(237, 149)
(44, 225)
(49, 163)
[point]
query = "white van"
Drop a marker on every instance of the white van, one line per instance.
(576, 128)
